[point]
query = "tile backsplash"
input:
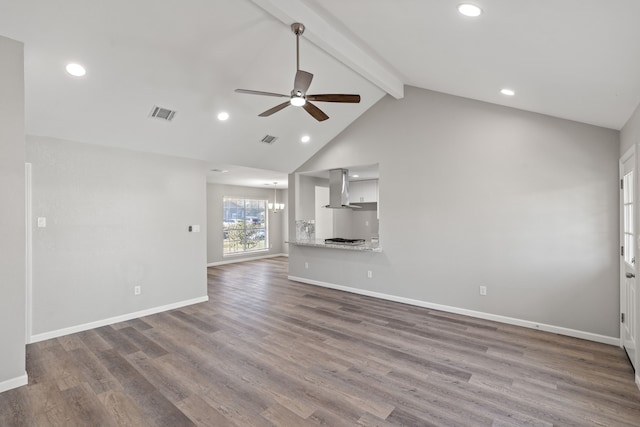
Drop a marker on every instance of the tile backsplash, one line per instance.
(305, 229)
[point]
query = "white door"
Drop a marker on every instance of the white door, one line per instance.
(628, 286)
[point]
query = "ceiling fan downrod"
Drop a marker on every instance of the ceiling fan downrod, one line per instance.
(298, 30)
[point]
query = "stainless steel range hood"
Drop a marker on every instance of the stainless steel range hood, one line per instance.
(339, 190)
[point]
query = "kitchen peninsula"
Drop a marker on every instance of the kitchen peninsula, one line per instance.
(367, 246)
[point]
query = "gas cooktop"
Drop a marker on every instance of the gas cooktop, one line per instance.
(343, 241)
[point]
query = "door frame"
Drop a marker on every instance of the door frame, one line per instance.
(630, 153)
(28, 214)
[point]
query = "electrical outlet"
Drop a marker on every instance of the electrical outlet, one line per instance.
(483, 291)
(137, 290)
(370, 274)
(306, 264)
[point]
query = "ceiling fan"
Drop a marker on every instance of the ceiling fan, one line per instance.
(301, 83)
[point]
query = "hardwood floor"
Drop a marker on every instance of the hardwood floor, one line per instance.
(266, 351)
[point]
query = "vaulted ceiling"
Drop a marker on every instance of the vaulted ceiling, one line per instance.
(574, 59)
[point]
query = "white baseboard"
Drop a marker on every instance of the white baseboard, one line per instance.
(479, 314)
(14, 383)
(111, 320)
(234, 260)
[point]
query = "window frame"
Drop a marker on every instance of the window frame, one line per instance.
(249, 215)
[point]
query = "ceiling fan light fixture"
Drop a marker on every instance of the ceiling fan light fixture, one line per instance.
(298, 101)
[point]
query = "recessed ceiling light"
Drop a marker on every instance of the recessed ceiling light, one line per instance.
(76, 70)
(219, 170)
(305, 138)
(355, 176)
(223, 116)
(468, 9)
(507, 92)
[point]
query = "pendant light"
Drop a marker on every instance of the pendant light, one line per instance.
(275, 206)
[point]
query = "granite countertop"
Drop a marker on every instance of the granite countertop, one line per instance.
(365, 247)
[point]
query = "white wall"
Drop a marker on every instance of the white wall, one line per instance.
(275, 222)
(12, 223)
(364, 221)
(115, 219)
(478, 194)
(630, 133)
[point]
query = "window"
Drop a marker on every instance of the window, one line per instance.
(627, 202)
(244, 225)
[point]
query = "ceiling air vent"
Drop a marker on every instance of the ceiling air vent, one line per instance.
(162, 113)
(269, 139)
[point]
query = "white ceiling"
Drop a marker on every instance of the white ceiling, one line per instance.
(575, 59)
(356, 173)
(248, 177)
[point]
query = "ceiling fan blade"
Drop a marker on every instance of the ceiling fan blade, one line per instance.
(317, 113)
(257, 92)
(302, 81)
(335, 97)
(275, 109)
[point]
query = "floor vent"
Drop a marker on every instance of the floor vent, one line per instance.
(269, 139)
(162, 113)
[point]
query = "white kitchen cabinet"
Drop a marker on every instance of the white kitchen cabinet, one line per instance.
(363, 191)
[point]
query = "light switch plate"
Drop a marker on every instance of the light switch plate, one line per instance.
(42, 222)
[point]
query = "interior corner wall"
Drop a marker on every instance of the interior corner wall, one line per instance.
(630, 133)
(12, 220)
(275, 221)
(115, 219)
(472, 194)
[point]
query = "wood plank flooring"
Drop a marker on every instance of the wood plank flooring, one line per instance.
(266, 351)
